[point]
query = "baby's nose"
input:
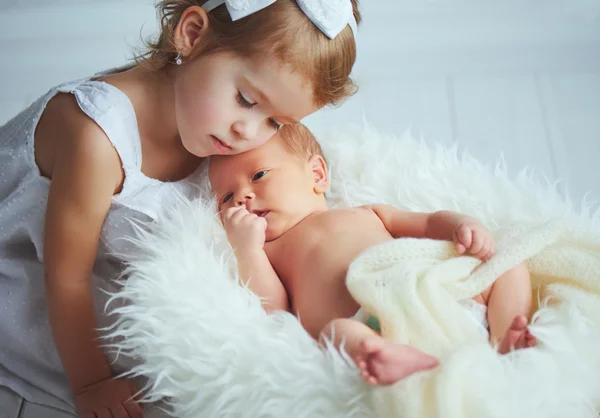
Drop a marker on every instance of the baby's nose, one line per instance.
(244, 197)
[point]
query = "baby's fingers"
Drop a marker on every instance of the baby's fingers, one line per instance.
(487, 250)
(249, 216)
(477, 243)
(229, 212)
(263, 222)
(238, 215)
(463, 239)
(492, 249)
(484, 252)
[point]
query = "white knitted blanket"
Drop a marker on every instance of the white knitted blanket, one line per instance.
(211, 351)
(413, 286)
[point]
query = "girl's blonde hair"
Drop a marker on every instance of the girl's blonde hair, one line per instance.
(280, 30)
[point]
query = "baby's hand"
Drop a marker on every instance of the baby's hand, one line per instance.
(475, 239)
(245, 230)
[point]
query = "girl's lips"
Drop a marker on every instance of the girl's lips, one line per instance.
(220, 146)
(261, 213)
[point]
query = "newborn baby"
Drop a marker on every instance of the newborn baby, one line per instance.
(294, 252)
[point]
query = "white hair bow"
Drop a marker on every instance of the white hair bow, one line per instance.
(331, 16)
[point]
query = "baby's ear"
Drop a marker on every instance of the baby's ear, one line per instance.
(319, 173)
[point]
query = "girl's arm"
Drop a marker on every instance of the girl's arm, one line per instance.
(86, 171)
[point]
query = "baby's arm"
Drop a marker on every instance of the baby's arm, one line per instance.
(466, 232)
(246, 234)
(85, 172)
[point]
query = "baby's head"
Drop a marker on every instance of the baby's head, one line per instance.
(284, 180)
(238, 81)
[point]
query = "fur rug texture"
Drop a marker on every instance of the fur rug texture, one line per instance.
(209, 349)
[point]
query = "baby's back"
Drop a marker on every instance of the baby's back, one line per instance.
(312, 260)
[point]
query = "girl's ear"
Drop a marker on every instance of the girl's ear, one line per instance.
(190, 30)
(319, 173)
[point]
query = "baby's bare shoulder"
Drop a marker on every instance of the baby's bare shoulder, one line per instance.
(353, 211)
(358, 215)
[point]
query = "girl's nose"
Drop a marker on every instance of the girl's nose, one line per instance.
(246, 130)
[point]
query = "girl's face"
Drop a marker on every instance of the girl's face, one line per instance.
(227, 105)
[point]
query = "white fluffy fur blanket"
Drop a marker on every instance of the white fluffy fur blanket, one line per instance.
(210, 350)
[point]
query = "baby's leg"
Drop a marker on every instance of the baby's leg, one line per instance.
(509, 309)
(379, 361)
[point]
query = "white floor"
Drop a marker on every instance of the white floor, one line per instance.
(521, 78)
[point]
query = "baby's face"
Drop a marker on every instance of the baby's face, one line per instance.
(271, 182)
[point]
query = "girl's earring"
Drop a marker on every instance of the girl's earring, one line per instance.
(178, 58)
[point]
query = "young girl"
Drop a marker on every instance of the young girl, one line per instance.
(91, 154)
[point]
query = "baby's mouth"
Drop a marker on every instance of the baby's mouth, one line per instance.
(261, 213)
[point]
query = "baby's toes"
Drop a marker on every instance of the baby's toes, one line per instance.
(370, 379)
(366, 375)
(530, 340)
(371, 345)
(521, 342)
(361, 363)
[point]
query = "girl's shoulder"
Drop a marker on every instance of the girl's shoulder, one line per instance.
(91, 121)
(66, 137)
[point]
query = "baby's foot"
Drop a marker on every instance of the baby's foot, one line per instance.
(381, 362)
(517, 336)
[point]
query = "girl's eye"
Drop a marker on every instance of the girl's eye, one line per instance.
(244, 102)
(274, 124)
(259, 175)
(227, 197)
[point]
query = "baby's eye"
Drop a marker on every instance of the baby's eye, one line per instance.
(227, 198)
(259, 175)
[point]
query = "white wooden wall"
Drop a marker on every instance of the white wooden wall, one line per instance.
(518, 77)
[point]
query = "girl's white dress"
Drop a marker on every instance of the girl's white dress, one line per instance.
(29, 363)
